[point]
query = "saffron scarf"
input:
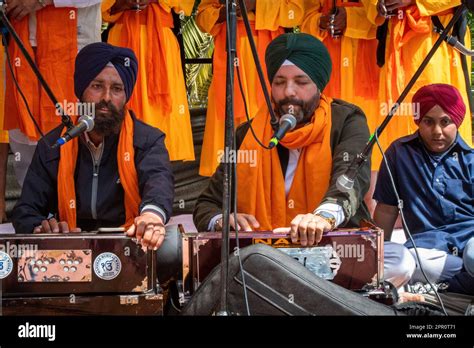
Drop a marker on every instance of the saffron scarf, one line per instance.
(261, 188)
(67, 203)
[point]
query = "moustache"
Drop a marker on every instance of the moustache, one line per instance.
(108, 124)
(106, 105)
(289, 101)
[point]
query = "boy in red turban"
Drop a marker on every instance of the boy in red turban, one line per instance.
(433, 171)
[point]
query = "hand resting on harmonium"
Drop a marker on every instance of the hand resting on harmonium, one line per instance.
(245, 222)
(148, 228)
(307, 228)
(53, 226)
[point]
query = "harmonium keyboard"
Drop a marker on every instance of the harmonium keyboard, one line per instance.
(351, 258)
(77, 274)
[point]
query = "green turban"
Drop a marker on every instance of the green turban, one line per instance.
(305, 51)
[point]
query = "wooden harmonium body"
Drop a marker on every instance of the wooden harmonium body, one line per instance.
(77, 273)
(351, 258)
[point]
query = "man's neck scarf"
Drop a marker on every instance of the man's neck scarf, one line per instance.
(261, 188)
(67, 202)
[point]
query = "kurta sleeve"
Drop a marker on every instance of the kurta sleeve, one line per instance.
(105, 8)
(155, 177)
(352, 136)
(432, 7)
(358, 26)
(178, 6)
(370, 7)
(39, 195)
(311, 22)
(75, 3)
(209, 203)
(207, 16)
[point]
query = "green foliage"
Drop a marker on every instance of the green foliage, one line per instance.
(198, 76)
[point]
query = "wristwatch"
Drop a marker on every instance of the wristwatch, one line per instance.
(42, 3)
(328, 217)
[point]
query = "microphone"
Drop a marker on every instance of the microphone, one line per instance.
(84, 124)
(345, 182)
(287, 123)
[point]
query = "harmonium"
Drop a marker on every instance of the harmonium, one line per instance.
(77, 274)
(351, 258)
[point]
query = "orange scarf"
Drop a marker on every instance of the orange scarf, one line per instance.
(155, 18)
(127, 172)
(403, 30)
(56, 37)
(262, 187)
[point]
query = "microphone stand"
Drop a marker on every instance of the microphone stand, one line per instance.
(231, 22)
(346, 181)
(65, 119)
(228, 188)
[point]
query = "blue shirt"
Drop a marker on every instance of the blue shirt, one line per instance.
(437, 191)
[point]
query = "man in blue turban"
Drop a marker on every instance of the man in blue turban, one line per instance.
(117, 175)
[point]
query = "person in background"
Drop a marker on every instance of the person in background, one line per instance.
(159, 98)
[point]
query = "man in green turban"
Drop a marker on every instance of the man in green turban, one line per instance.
(292, 188)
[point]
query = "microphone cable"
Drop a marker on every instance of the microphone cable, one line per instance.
(234, 172)
(241, 88)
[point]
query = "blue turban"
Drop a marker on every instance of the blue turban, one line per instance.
(305, 51)
(93, 58)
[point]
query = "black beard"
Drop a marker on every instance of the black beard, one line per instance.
(110, 123)
(307, 108)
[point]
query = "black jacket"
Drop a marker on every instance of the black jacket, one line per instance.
(39, 196)
(349, 133)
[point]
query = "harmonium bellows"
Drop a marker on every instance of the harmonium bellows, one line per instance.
(351, 258)
(77, 273)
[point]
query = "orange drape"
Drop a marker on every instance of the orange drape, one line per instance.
(67, 203)
(403, 30)
(155, 18)
(56, 36)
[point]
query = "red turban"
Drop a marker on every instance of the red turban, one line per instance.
(443, 95)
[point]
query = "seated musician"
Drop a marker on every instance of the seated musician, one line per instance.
(294, 185)
(433, 171)
(118, 174)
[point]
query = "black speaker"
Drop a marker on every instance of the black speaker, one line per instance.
(278, 285)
